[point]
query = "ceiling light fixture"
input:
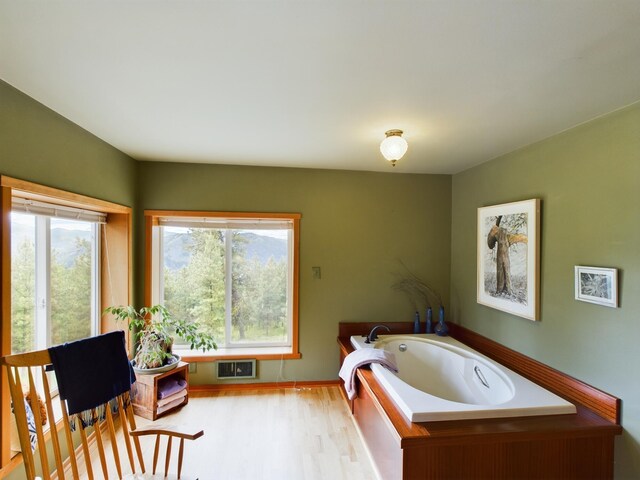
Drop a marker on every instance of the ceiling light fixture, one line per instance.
(394, 146)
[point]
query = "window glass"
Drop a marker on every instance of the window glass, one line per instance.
(23, 283)
(234, 282)
(259, 296)
(54, 287)
(71, 280)
(194, 280)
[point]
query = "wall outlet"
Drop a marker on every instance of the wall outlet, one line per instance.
(317, 274)
(193, 368)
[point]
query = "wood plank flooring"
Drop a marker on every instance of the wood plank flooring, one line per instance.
(279, 434)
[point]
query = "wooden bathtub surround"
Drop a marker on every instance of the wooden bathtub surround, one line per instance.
(576, 446)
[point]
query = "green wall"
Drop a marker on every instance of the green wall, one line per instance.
(38, 145)
(589, 181)
(356, 226)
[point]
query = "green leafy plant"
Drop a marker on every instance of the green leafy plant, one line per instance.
(154, 329)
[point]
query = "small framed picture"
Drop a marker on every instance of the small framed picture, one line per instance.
(597, 285)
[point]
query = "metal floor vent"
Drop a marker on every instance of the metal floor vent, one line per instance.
(236, 369)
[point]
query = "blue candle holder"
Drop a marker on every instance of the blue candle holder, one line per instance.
(416, 323)
(429, 324)
(441, 328)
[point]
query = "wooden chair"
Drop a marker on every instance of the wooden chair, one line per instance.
(28, 370)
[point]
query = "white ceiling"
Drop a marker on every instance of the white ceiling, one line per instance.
(317, 83)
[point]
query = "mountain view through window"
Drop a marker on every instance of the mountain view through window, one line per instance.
(52, 281)
(232, 282)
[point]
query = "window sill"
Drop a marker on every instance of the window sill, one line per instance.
(259, 353)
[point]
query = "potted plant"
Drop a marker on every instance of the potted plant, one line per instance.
(154, 328)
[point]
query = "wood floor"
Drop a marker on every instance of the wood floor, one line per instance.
(279, 434)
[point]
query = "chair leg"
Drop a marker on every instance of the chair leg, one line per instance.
(112, 434)
(85, 449)
(155, 454)
(132, 426)
(125, 431)
(180, 457)
(96, 429)
(67, 434)
(167, 458)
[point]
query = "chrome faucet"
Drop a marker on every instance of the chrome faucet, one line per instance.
(373, 335)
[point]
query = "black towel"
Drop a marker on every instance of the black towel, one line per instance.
(92, 371)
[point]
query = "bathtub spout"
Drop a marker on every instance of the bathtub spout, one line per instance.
(373, 334)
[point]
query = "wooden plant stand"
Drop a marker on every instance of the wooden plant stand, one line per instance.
(145, 391)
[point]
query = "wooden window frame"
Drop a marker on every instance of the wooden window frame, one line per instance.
(152, 219)
(116, 274)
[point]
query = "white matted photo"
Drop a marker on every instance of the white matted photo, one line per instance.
(508, 257)
(597, 285)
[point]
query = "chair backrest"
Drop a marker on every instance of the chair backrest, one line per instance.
(29, 373)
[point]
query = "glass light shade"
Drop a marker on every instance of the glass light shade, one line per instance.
(393, 147)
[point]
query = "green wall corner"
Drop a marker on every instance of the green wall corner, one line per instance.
(588, 179)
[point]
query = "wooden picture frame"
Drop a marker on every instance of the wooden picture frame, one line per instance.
(597, 285)
(508, 258)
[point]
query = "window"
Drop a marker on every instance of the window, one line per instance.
(235, 276)
(65, 257)
(54, 275)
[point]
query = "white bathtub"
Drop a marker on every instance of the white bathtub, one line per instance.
(440, 378)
